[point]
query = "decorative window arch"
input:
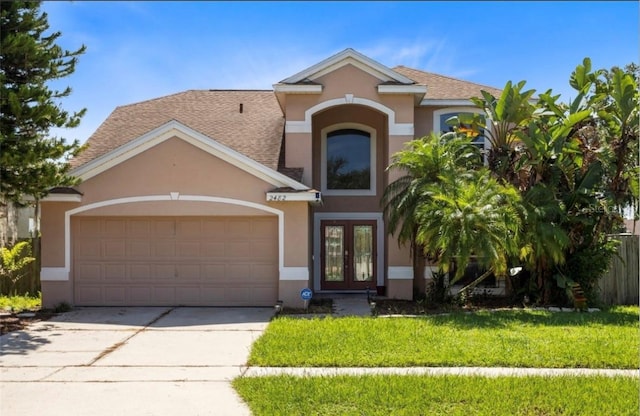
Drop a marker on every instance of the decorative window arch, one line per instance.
(348, 160)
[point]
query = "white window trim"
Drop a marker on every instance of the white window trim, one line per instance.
(372, 162)
(437, 128)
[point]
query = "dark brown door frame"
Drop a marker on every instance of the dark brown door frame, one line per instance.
(349, 282)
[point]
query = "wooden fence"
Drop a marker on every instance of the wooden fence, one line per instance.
(619, 286)
(30, 283)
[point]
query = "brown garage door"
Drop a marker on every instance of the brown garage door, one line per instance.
(217, 261)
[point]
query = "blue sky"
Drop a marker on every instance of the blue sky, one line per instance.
(142, 50)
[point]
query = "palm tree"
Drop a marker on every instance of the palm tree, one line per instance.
(470, 215)
(545, 239)
(422, 161)
(506, 115)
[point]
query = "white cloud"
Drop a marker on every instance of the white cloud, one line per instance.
(437, 55)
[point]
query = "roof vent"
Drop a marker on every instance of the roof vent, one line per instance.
(241, 108)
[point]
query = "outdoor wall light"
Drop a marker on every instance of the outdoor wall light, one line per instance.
(515, 270)
(278, 307)
(372, 306)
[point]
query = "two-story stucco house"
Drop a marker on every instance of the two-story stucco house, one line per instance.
(244, 198)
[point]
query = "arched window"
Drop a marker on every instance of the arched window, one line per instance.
(348, 160)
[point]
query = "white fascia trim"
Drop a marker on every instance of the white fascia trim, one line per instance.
(433, 102)
(401, 129)
(176, 129)
(402, 89)
(56, 198)
(304, 126)
(297, 127)
(173, 196)
(295, 273)
(355, 58)
(309, 196)
(298, 88)
(400, 273)
(377, 216)
(54, 274)
(62, 198)
(406, 272)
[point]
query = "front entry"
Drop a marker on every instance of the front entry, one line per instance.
(348, 253)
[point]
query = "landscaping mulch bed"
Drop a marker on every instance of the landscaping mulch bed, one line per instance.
(324, 306)
(10, 322)
(410, 307)
(318, 306)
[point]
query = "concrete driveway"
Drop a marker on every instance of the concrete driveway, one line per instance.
(129, 361)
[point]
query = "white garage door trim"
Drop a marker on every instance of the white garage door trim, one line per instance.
(62, 273)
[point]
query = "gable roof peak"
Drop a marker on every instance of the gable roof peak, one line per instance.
(348, 56)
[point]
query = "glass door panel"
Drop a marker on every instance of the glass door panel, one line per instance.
(363, 253)
(334, 253)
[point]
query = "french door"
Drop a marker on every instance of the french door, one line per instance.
(348, 252)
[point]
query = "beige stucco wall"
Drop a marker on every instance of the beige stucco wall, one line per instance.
(171, 166)
(401, 104)
(397, 256)
(349, 79)
(54, 293)
(52, 232)
(345, 80)
(289, 293)
(396, 144)
(296, 232)
(174, 166)
(400, 289)
(298, 154)
(423, 125)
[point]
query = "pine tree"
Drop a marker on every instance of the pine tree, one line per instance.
(31, 160)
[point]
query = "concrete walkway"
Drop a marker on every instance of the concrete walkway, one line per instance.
(350, 305)
(129, 361)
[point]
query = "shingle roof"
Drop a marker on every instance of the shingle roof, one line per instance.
(441, 87)
(256, 132)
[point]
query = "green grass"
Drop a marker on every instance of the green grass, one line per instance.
(440, 395)
(523, 338)
(21, 303)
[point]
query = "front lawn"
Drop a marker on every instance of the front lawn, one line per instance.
(513, 338)
(442, 395)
